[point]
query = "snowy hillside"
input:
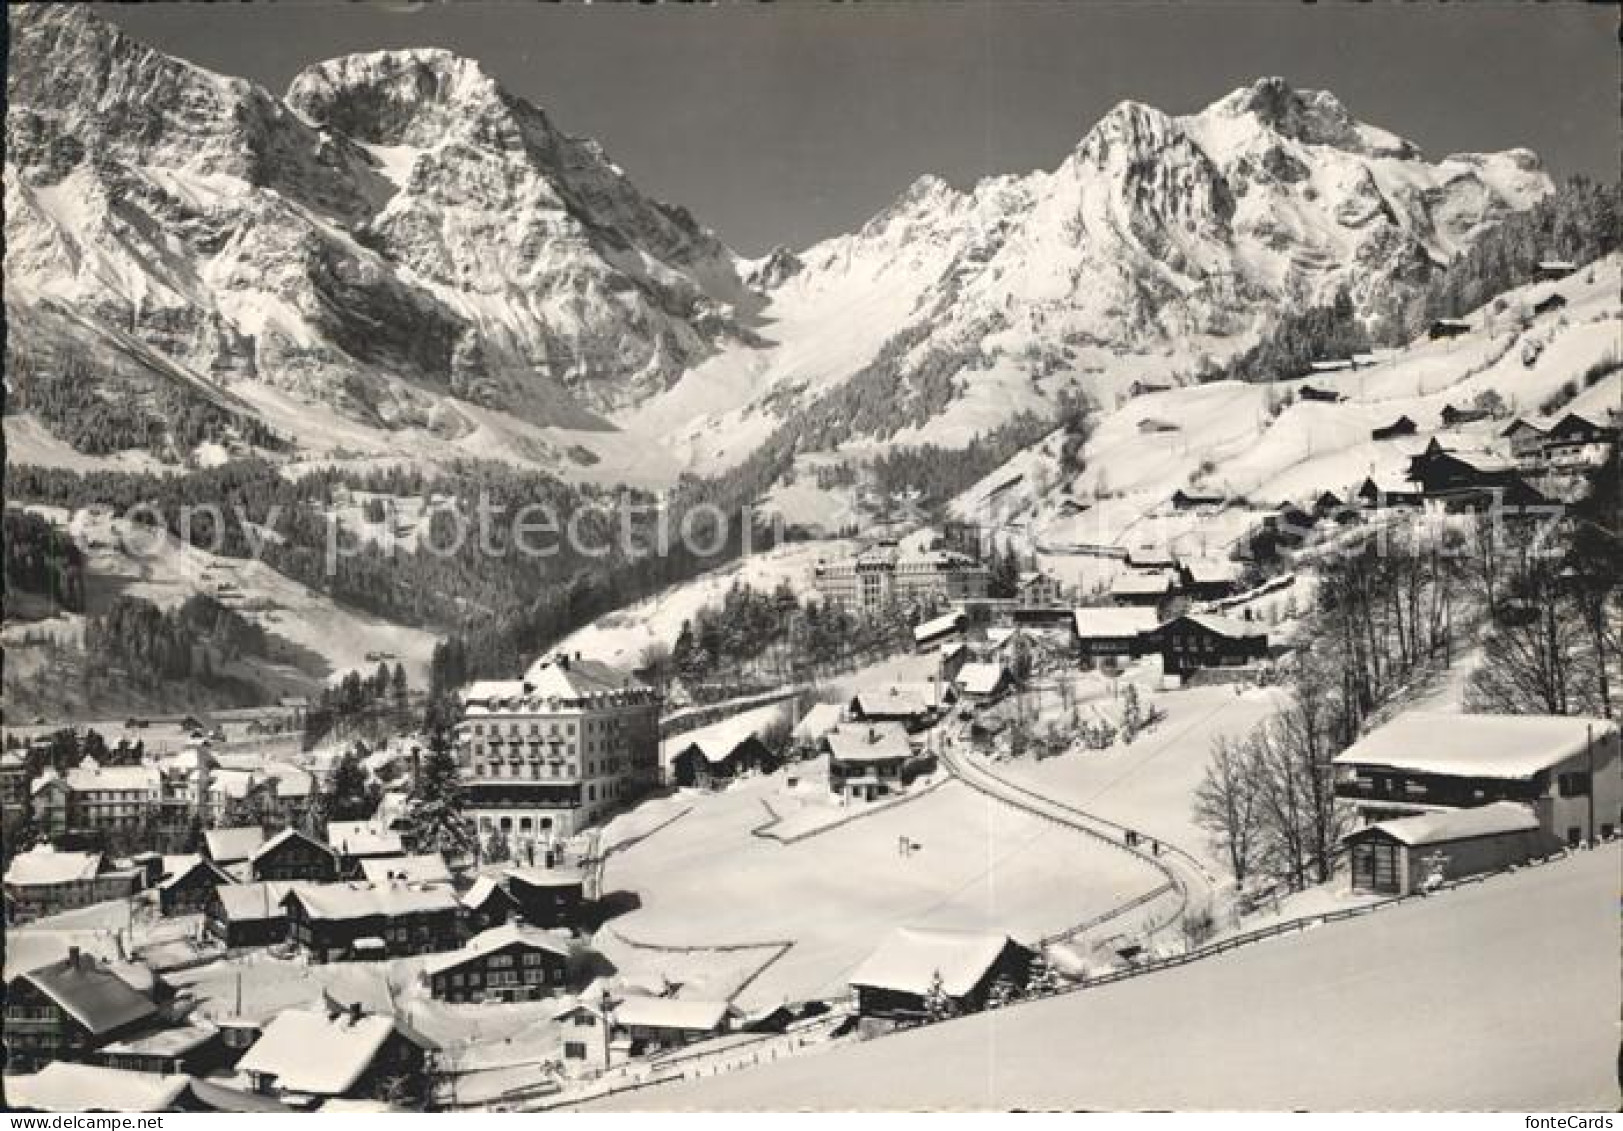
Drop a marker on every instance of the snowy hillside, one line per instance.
(1244, 443)
(1419, 1007)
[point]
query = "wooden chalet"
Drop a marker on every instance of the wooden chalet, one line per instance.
(1146, 587)
(865, 760)
(548, 897)
(1373, 496)
(189, 888)
(895, 983)
(164, 1049)
(1201, 640)
(248, 914)
(983, 682)
(1453, 417)
(655, 1023)
(305, 1057)
(232, 847)
(1313, 393)
(1111, 635)
(1210, 579)
(1549, 304)
(45, 881)
(1566, 768)
(513, 962)
(292, 855)
(356, 842)
(932, 634)
(710, 760)
(902, 703)
(1552, 269)
(1328, 505)
(1448, 328)
(1399, 428)
(1151, 425)
(1399, 856)
(1188, 501)
(1526, 439)
(68, 1009)
(487, 904)
(336, 922)
(1141, 387)
(1576, 439)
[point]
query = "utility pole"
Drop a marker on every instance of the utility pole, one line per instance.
(1589, 743)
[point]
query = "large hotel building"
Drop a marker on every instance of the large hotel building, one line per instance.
(545, 756)
(882, 575)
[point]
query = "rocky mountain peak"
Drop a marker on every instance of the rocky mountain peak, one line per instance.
(407, 97)
(1312, 117)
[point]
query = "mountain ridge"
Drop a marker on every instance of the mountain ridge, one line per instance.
(403, 246)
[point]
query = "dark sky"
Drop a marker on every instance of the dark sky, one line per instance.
(789, 122)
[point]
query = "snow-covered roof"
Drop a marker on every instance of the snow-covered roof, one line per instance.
(345, 900)
(363, 838)
(91, 993)
(483, 889)
(29, 948)
(940, 626)
(981, 678)
(321, 1055)
(508, 934)
(171, 1040)
(718, 741)
(910, 958)
(67, 1087)
(183, 871)
(44, 864)
(1212, 571)
(290, 781)
(226, 846)
(671, 1013)
(426, 868)
(1112, 622)
(868, 742)
(555, 677)
(1482, 746)
(895, 699)
(255, 902)
(1223, 626)
(822, 718)
(559, 877)
(1456, 824)
(284, 837)
(1144, 583)
(88, 775)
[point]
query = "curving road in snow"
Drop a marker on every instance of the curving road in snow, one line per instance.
(1190, 880)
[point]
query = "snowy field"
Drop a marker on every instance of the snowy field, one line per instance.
(1150, 784)
(1498, 996)
(705, 880)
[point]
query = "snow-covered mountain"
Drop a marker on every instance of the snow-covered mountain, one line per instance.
(395, 237)
(1156, 240)
(400, 257)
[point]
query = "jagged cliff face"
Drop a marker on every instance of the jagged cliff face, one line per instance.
(1161, 224)
(401, 243)
(397, 231)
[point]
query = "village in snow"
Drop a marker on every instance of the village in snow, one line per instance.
(1187, 728)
